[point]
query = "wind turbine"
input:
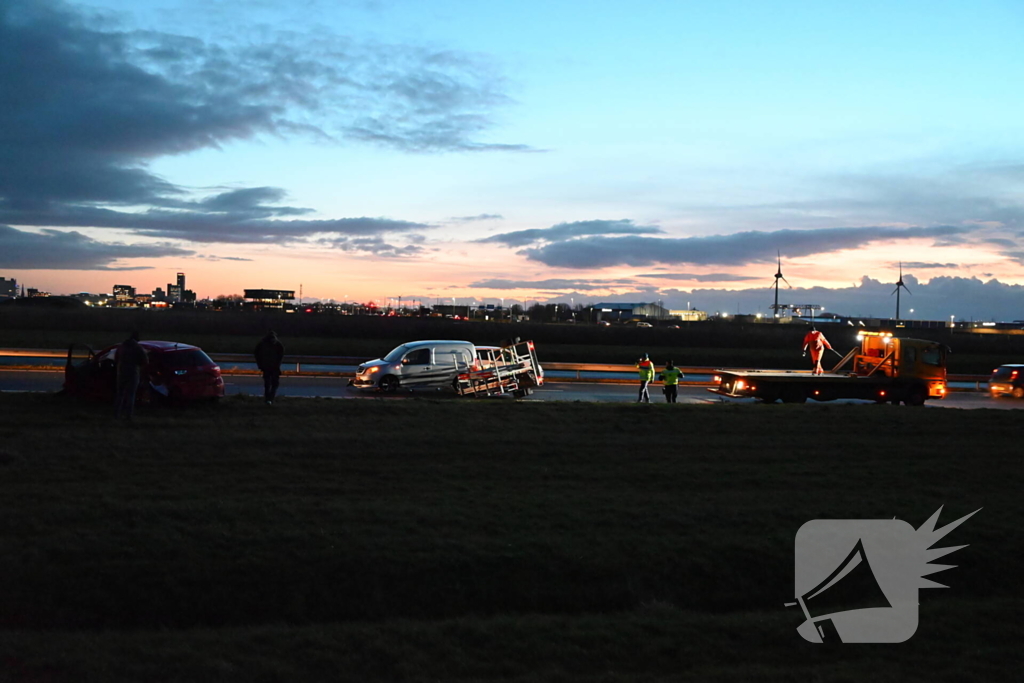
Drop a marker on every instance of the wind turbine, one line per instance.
(778, 276)
(899, 285)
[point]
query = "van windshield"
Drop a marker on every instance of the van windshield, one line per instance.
(396, 354)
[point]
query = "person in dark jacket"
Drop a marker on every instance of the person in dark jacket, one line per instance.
(670, 376)
(269, 354)
(131, 359)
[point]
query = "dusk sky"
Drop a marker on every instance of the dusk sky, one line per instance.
(603, 151)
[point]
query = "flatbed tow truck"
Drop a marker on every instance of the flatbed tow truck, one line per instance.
(883, 369)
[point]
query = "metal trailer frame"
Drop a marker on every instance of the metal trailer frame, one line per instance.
(510, 369)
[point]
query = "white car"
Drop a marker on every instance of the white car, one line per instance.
(432, 363)
(644, 325)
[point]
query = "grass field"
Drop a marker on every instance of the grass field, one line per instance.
(484, 540)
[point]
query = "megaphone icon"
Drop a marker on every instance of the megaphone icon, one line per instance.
(851, 585)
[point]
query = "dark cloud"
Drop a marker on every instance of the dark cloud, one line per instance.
(87, 106)
(554, 284)
(964, 298)
(196, 226)
(705, 277)
(735, 249)
(59, 250)
(254, 202)
(921, 265)
(564, 231)
(479, 217)
(210, 257)
(373, 245)
(1000, 242)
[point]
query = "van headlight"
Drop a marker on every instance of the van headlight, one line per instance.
(372, 370)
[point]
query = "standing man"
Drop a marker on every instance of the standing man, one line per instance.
(670, 376)
(646, 369)
(131, 359)
(816, 342)
(269, 354)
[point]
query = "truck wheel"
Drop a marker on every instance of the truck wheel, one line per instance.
(916, 397)
(1018, 392)
(519, 393)
(794, 395)
(389, 384)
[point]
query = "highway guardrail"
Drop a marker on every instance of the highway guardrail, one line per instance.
(578, 369)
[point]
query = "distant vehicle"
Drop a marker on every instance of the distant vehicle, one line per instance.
(885, 369)
(175, 371)
(644, 325)
(604, 323)
(1007, 380)
(431, 363)
(673, 327)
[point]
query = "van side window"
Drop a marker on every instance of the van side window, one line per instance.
(417, 357)
(931, 356)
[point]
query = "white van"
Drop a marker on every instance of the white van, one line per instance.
(434, 363)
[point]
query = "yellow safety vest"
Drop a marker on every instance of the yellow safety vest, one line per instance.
(671, 376)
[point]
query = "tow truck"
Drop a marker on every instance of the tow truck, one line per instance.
(883, 369)
(511, 368)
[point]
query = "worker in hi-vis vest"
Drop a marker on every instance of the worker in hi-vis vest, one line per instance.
(646, 369)
(670, 376)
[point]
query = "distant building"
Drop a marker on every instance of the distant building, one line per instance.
(257, 299)
(124, 295)
(8, 288)
(620, 311)
(159, 294)
(35, 293)
(173, 293)
(688, 315)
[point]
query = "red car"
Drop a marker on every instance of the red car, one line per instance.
(175, 371)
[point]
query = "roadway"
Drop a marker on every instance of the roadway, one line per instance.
(336, 387)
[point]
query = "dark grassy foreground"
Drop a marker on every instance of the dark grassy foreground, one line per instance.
(461, 540)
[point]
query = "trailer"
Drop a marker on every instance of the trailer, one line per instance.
(511, 368)
(882, 369)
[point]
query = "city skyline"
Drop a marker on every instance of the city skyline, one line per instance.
(363, 150)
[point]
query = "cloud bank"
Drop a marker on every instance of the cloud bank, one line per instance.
(564, 231)
(735, 249)
(91, 105)
(59, 250)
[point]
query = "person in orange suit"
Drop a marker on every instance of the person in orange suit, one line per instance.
(816, 343)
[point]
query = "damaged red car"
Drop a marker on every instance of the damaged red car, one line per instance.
(175, 371)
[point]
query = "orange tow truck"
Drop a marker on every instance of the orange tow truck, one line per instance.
(883, 368)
